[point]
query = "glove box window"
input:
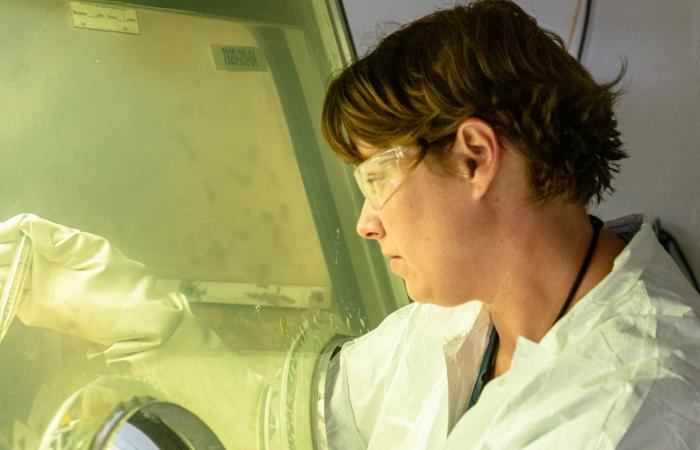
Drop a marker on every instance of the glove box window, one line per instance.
(216, 256)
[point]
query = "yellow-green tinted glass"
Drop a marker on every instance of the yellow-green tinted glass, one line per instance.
(186, 134)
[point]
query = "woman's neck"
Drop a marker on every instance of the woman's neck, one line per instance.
(536, 283)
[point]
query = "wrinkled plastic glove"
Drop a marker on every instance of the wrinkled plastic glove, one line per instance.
(82, 285)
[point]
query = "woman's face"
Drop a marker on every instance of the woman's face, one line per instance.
(426, 230)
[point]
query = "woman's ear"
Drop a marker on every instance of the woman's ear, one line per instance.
(476, 153)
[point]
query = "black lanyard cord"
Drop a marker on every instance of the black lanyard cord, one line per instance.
(487, 365)
(597, 226)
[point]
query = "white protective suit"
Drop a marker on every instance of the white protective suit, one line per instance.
(620, 370)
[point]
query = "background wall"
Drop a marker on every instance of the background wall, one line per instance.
(659, 115)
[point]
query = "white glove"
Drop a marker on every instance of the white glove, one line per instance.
(80, 284)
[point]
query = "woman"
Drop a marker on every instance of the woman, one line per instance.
(479, 142)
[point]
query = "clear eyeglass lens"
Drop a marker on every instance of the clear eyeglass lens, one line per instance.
(380, 176)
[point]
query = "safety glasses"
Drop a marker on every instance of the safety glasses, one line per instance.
(381, 175)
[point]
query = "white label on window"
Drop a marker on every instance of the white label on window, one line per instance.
(104, 18)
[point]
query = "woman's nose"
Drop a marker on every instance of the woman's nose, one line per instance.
(369, 226)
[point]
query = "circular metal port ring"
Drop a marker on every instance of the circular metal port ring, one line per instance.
(167, 425)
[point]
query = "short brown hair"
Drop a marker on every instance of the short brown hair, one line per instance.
(489, 60)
